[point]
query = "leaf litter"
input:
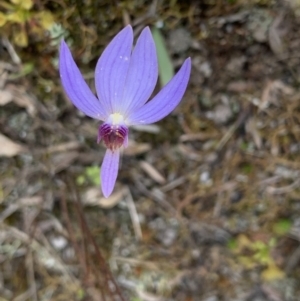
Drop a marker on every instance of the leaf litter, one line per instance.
(206, 207)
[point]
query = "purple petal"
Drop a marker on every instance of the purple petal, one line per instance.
(109, 171)
(75, 86)
(142, 73)
(112, 68)
(165, 101)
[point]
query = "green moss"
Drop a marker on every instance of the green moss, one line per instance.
(282, 226)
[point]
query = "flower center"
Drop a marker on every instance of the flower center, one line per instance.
(114, 132)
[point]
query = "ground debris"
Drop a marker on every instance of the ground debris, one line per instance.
(206, 205)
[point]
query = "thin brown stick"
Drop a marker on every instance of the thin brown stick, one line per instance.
(72, 236)
(106, 271)
(86, 251)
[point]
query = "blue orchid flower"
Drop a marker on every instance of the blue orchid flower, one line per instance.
(124, 81)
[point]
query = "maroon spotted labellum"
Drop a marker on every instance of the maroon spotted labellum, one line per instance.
(114, 136)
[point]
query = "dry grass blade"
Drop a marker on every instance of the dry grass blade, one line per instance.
(21, 203)
(134, 216)
(275, 36)
(63, 147)
(11, 50)
(44, 255)
(283, 190)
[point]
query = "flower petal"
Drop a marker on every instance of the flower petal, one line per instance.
(165, 101)
(112, 68)
(109, 171)
(142, 73)
(75, 86)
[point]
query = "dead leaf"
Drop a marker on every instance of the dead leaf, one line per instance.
(272, 273)
(189, 153)
(149, 128)
(252, 129)
(240, 86)
(19, 97)
(62, 161)
(5, 97)
(9, 148)
(152, 172)
(63, 147)
(271, 93)
(134, 148)
(94, 197)
(275, 36)
(201, 136)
